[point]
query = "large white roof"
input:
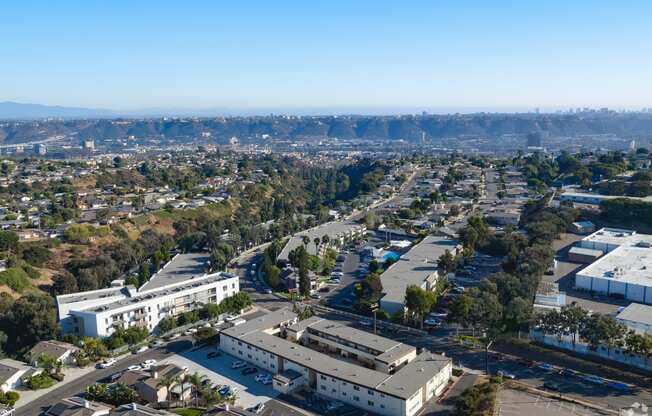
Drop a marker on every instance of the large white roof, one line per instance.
(624, 264)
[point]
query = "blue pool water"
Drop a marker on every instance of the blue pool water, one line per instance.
(391, 255)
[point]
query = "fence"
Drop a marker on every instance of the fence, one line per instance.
(580, 347)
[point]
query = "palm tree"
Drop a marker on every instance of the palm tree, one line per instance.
(168, 382)
(305, 240)
(196, 381)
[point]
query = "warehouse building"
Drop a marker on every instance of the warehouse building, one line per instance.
(637, 317)
(381, 390)
(625, 271)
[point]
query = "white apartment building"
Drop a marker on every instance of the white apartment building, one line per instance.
(98, 313)
(418, 267)
(400, 391)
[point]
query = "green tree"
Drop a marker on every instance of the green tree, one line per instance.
(168, 382)
(418, 302)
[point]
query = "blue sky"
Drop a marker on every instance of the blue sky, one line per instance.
(328, 54)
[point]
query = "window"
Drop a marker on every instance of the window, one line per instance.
(232, 285)
(382, 395)
(322, 377)
(343, 393)
(323, 387)
(249, 355)
(370, 403)
(356, 388)
(248, 347)
(224, 288)
(272, 365)
(371, 393)
(356, 398)
(240, 352)
(334, 390)
(382, 406)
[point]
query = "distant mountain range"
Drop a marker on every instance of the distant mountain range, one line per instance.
(405, 127)
(12, 110)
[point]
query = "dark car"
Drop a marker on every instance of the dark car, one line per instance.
(249, 370)
(551, 385)
(213, 354)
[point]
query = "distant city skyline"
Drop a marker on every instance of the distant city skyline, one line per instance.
(298, 57)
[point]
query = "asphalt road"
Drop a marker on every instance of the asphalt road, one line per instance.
(78, 386)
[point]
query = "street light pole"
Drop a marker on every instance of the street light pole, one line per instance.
(486, 357)
(374, 321)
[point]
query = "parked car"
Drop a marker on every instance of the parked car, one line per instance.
(267, 380)
(141, 349)
(249, 370)
(268, 291)
(545, 366)
(260, 377)
(148, 363)
(616, 385)
(115, 376)
(257, 408)
(213, 354)
(506, 374)
(366, 323)
(238, 364)
(432, 322)
(229, 318)
(134, 367)
(315, 296)
(593, 379)
(108, 363)
(156, 344)
(551, 385)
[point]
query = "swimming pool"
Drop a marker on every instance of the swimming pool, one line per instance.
(391, 255)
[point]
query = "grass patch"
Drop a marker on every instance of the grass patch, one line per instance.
(16, 278)
(40, 381)
(188, 412)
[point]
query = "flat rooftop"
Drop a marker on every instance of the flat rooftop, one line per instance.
(414, 375)
(618, 236)
(261, 323)
(389, 350)
(636, 312)
(414, 267)
(331, 229)
(151, 294)
(181, 268)
(403, 383)
(625, 264)
(122, 291)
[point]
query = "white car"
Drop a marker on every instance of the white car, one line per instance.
(260, 377)
(108, 363)
(267, 380)
(148, 363)
(257, 408)
(229, 318)
(432, 322)
(506, 374)
(134, 367)
(238, 364)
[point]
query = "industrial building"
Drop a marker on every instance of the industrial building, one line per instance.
(359, 376)
(179, 287)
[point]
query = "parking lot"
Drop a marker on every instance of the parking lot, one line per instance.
(218, 370)
(516, 403)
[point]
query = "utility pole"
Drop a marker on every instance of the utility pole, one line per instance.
(486, 357)
(374, 309)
